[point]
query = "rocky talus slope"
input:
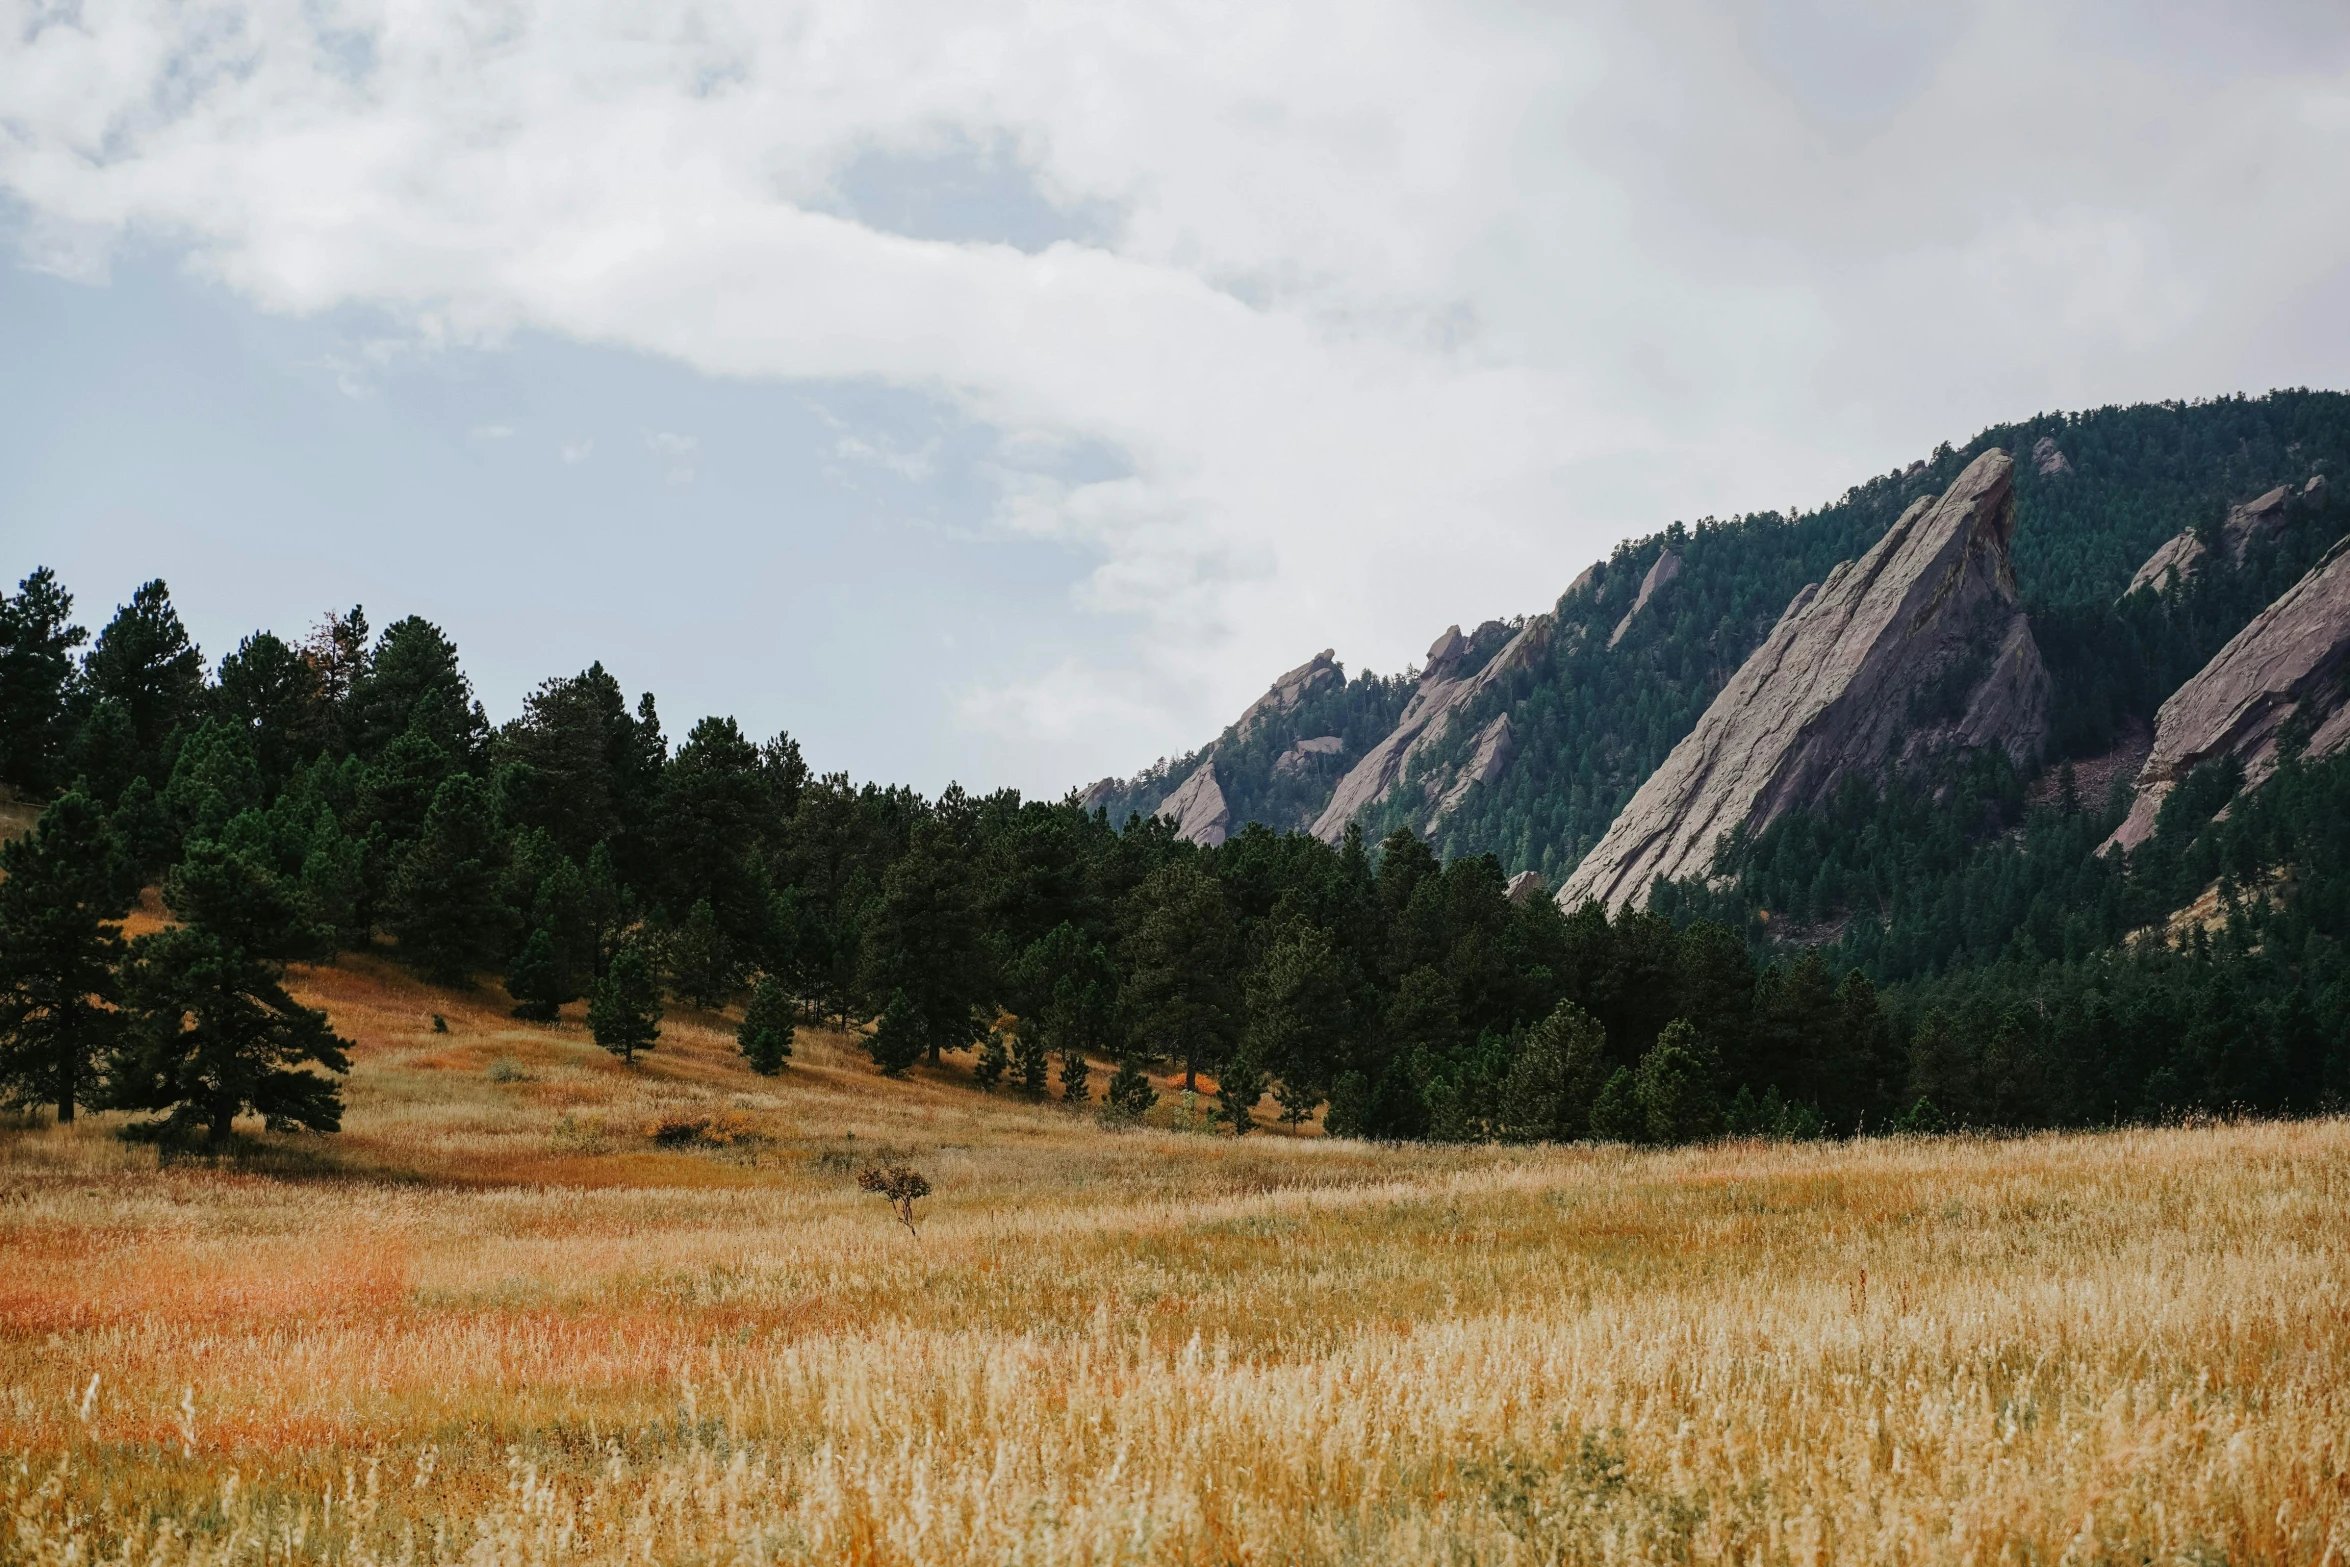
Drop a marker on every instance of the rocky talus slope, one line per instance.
(2285, 672)
(1919, 645)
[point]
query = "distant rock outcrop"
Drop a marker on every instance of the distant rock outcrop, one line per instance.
(1667, 567)
(2246, 523)
(2286, 668)
(1311, 676)
(1919, 645)
(1197, 808)
(1526, 886)
(2048, 461)
(1443, 689)
(1299, 757)
(1495, 744)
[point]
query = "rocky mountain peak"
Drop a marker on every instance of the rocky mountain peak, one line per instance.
(1919, 645)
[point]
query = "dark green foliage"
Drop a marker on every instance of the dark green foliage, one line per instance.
(995, 1058)
(144, 664)
(1555, 1079)
(921, 945)
(212, 1033)
(1617, 1115)
(59, 892)
(624, 1008)
(1130, 1092)
(765, 1037)
(1182, 989)
(444, 904)
(705, 967)
(1238, 1088)
(899, 1036)
(269, 695)
(412, 684)
(1076, 1077)
(538, 979)
(37, 639)
(1300, 1005)
(1678, 1087)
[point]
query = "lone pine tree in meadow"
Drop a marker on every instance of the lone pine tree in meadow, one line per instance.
(624, 1010)
(766, 1033)
(59, 954)
(211, 1032)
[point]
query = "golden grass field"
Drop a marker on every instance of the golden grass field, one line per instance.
(494, 1322)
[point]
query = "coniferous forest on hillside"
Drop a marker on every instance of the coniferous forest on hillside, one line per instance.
(1942, 949)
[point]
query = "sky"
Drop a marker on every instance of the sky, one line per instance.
(1006, 392)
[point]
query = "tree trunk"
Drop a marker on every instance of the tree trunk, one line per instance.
(67, 1091)
(224, 1120)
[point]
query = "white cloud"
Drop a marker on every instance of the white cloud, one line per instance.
(493, 432)
(577, 451)
(1399, 312)
(677, 454)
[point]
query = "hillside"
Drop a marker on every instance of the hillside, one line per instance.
(503, 1316)
(1613, 691)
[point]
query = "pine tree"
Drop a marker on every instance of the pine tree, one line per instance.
(1130, 1092)
(1678, 1087)
(145, 664)
(1076, 1077)
(1555, 1078)
(59, 954)
(1183, 987)
(624, 1009)
(1238, 1088)
(704, 965)
(539, 980)
(765, 1037)
(921, 944)
(37, 640)
(445, 907)
(1031, 1061)
(211, 1032)
(898, 1038)
(1616, 1115)
(1298, 1006)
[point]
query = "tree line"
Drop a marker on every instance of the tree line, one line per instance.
(345, 792)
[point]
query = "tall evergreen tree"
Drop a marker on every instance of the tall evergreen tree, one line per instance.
(59, 954)
(211, 1032)
(921, 945)
(145, 663)
(37, 639)
(445, 908)
(1299, 1005)
(1183, 989)
(624, 1009)
(765, 1037)
(269, 693)
(413, 683)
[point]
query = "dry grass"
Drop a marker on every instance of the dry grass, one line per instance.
(496, 1321)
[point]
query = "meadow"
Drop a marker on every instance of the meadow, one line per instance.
(534, 1306)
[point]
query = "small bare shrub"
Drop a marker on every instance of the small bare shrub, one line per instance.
(903, 1187)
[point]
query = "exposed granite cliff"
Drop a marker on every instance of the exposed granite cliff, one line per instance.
(1918, 646)
(1660, 576)
(2287, 668)
(1447, 683)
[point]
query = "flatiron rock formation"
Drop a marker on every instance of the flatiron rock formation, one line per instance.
(1660, 575)
(2246, 523)
(1918, 646)
(1291, 689)
(1445, 686)
(2289, 664)
(1197, 807)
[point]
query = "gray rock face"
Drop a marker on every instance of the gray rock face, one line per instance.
(1197, 808)
(1442, 691)
(1667, 567)
(1918, 646)
(2246, 523)
(2289, 664)
(1525, 887)
(1496, 743)
(2048, 461)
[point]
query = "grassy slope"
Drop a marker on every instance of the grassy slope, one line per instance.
(465, 1329)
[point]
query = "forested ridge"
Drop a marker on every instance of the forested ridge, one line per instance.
(1944, 948)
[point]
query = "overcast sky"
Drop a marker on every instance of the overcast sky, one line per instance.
(1008, 392)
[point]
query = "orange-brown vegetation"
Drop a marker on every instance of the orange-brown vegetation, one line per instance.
(533, 1306)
